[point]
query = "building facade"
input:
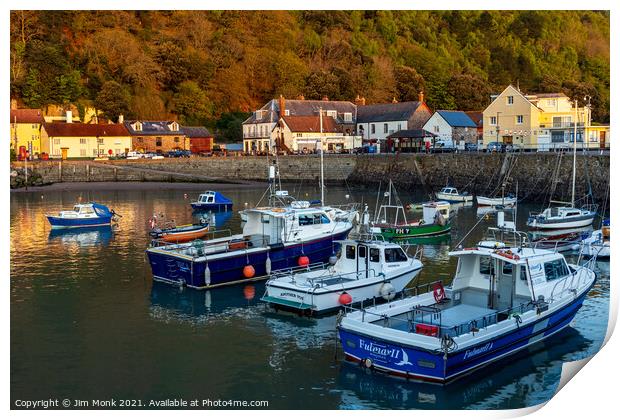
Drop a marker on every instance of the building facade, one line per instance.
(77, 140)
(454, 126)
(156, 136)
(259, 136)
(25, 134)
(305, 134)
(200, 139)
(540, 122)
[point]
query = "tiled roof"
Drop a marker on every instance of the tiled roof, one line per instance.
(299, 124)
(417, 133)
(85, 130)
(27, 116)
(194, 132)
(302, 107)
(457, 118)
(152, 128)
(400, 111)
(476, 117)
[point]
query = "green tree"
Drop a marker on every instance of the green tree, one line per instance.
(409, 83)
(229, 127)
(113, 100)
(33, 91)
(192, 104)
(470, 93)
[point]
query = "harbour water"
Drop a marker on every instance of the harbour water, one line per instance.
(88, 322)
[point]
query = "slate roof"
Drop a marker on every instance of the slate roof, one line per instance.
(85, 130)
(457, 118)
(299, 124)
(476, 117)
(233, 147)
(196, 132)
(27, 116)
(400, 111)
(547, 95)
(417, 133)
(303, 107)
(152, 128)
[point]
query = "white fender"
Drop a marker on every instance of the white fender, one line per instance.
(268, 265)
(387, 291)
(207, 275)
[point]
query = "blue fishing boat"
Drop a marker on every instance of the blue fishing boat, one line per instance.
(503, 298)
(212, 201)
(83, 215)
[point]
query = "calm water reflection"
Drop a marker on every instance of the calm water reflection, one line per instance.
(88, 322)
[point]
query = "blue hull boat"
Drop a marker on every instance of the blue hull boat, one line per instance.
(82, 215)
(212, 201)
(191, 270)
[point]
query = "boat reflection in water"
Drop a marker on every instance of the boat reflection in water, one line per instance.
(83, 237)
(532, 376)
(183, 305)
(216, 220)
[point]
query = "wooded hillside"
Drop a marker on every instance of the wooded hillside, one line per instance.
(211, 67)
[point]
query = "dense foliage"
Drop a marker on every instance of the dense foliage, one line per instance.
(200, 65)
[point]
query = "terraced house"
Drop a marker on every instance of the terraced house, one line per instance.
(26, 131)
(77, 140)
(544, 121)
(156, 136)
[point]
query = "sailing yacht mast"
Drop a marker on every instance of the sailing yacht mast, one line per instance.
(321, 153)
(574, 155)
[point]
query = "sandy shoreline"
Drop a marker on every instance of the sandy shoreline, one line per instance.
(139, 186)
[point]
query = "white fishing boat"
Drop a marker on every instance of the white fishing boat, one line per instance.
(567, 215)
(598, 243)
(496, 201)
(367, 269)
(504, 297)
(452, 195)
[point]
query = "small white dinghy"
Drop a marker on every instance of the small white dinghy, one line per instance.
(367, 269)
(496, 201)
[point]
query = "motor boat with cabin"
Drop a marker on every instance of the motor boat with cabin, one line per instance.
(452, 195)
(83, 215)
(598, 243)
(435, 219)
(285, 234)
(212, 201)
(367, 269)
(504, 296)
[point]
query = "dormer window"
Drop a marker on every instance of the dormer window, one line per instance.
(174, 126)
(287, 112)
(259, 114)
(137, 126)
(348, 117)
(332, 113)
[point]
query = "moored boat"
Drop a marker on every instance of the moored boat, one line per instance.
(509, 200)
(435, 221)
(598, 243)
(502, 299)
(181, 233)
(212, 201)
(367, 269)
(83, 215)
(452, 195)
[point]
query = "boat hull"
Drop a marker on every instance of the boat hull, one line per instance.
(75, 222)
(228, 269)
(324, 300)
(183, 235)
(454, 198)
(488, 201)
(410, 362)
(215, 207)
(567, 223)
(412, 231)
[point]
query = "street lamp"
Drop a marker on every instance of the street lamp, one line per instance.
(497, 126)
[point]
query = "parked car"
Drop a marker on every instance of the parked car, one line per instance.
(365, 149)
(495, 146)
(471, 147)
(153, 156)
(443, 146)
(179, 153)
(135, 155)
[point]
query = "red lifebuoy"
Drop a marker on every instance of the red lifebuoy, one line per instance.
(438, 292)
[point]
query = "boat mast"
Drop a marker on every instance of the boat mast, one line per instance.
(321, 154)
(574, 155)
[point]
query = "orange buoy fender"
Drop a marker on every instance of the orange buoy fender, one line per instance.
(345, 299)
(303, 261)
(248, 271)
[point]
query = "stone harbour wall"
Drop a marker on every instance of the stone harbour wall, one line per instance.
(477, 173)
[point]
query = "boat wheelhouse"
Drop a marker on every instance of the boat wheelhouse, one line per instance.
(273, 238)
(598, 243)
(502, 299)
(82, 215)
(452, 195)
(367, 269)
(212, 201)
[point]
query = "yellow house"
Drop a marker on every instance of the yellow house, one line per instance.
(26, 130)
(77, 140)
(540, 122)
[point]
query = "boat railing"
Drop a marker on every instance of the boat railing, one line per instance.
(571, 283)
(296, 270)
(511, 238)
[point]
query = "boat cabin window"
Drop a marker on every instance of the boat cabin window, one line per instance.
(507, 268)
(374, 254)
(76, 209)
(87, 210)
(486, 266)
(350, 252)
(555, 269)
(395, 255)
(361, 251)
(572, 213)
(313, 219)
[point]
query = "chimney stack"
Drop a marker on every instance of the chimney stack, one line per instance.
(13, 103)
(325, 98)
(69, 117)
(282, 106)
(121, 119)
(301, 97)
(421, 96)
(394, 101)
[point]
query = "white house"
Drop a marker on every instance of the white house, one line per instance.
(452, 126)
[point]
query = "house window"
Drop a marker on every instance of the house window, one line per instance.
(493, 120)
(158, 141)
(82, 141)
(400, 126)
(331, 113)
(56, 141)
(372, 129)
(348, 117)
(436, 129)
(385, 128)
(519, 119)
(140, 139)
(83, 152)
(510, 100)
(99, 141)
(176, 139)
(287, 112)
(94, 152)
